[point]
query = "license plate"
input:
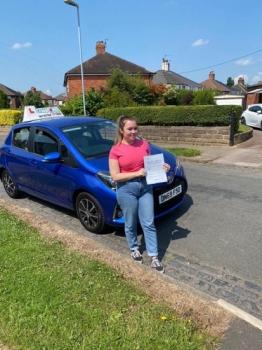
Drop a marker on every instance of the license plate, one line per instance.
(170, 194)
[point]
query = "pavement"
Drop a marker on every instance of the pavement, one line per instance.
(245, 331)
(242, 298)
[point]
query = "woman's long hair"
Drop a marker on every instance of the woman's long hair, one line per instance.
(121, 121)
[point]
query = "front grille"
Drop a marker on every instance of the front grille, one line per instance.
(159, 208)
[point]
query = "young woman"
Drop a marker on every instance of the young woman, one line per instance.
(135, 197)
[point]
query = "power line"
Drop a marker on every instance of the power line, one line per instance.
(220, 64)
(32, 57)
(30, 69)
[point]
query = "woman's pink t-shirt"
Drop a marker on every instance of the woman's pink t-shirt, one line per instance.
(130, 157)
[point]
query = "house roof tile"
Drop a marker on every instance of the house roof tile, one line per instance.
(241, 87)
(61, 97)
(215, 84)
(102, 63)
(169, 77)
(10, 92)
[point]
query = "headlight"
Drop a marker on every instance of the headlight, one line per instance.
(177, 164)
(106, 178)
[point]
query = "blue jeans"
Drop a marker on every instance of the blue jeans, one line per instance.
(136, 200)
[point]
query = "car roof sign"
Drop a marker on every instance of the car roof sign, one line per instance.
(32, 113)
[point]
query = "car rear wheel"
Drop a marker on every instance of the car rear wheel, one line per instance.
(9, 185)
(90, 213)
(243, 121)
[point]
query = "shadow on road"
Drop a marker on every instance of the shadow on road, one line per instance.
(167, 228)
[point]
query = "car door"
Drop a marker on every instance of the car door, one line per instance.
(50, 181)
(17, 158)
(254, 115)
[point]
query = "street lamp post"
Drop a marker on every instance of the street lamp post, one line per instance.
(72, 3)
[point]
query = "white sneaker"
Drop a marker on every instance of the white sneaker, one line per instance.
(137, 256)
(156, 264)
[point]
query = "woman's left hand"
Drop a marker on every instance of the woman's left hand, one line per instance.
(166, 167)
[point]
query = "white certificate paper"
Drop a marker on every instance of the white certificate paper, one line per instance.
(154, 169)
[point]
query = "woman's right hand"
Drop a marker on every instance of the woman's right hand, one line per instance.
(141, 172)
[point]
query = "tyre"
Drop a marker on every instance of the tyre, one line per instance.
(90, 213)
(243, 120)
(9, 185)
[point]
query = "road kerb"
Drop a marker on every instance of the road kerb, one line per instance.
(240, 313)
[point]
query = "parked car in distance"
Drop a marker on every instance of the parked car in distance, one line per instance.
(64, 160)
(252, 116)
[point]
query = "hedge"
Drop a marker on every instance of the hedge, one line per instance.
(9, 116)
(177, 115)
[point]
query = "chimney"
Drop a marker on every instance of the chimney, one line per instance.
(165, 65)
(33, 89)
(212, 75)
(241, 81)
(100, 47)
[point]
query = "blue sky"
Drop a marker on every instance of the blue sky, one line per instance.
(39, 38)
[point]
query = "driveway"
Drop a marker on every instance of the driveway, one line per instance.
(255, 142)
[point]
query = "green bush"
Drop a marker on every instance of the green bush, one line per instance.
(177, 115)
(116, 98)
(74, 105)
(204, 97)
(10, 116)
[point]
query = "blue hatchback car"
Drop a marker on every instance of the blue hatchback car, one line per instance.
(64, 160)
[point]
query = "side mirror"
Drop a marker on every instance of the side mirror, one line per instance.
(54, 157)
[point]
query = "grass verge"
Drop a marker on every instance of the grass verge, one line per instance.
(184, 152)
(52, 298)
(154, 307)
(243, 128)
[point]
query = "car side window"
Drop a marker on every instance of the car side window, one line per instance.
(21, 137)
(44, 143)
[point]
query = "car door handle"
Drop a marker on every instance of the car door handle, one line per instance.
(32, 162)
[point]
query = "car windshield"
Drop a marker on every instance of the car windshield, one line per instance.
(92, 139)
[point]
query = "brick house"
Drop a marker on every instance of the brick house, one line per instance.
(46, 99)
(96, 71)
(254, 93)
(213, 84)
(14, 97)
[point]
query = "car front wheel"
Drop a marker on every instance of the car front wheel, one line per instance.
(243, 121)
(9, 185)
(90, 213)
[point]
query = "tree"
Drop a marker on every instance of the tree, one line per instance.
(74, 105)
(33, 99)
(230, 81)
(116, 98)
(4, 101)
(138, 90)
(204, 97)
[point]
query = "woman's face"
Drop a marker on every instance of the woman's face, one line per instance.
(129, 131)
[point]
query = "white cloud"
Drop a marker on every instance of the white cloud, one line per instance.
(200, 42)
(256, 78)
(245, 62)
(19, 46)
(48, 92)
